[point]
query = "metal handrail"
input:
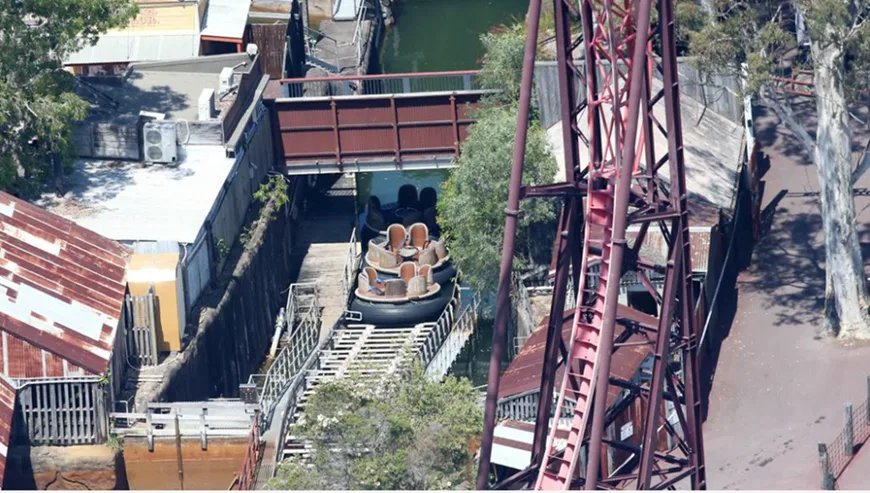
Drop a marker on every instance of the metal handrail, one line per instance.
(472, 73)
(351, 263)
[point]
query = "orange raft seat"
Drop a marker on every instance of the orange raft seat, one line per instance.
(404, 301)
(387, 254)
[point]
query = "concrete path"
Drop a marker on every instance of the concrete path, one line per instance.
(780, 386)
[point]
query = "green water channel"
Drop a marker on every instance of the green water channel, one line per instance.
(442, 35)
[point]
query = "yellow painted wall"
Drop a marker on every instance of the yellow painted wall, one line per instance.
(168, 17)
(163, 271)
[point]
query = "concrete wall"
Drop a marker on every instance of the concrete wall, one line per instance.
(236, 322)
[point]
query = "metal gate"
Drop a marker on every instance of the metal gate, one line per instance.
(142, 334)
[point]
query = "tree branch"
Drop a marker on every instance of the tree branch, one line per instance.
(786, 115)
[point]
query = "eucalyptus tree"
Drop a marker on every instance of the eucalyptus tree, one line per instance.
(38, 103)
(750, 38)
(471, 205)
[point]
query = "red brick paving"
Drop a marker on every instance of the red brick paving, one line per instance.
(779, 387)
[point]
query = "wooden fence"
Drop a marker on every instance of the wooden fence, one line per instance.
(62, 412)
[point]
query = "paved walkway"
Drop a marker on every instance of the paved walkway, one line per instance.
(780, 386)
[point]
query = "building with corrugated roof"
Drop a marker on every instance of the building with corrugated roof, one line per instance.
(63, 328)
(166, 30)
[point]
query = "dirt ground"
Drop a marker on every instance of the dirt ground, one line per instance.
(779, 386)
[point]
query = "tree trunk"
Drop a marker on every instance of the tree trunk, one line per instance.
(846, 298)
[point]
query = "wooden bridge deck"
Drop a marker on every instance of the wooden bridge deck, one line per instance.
(322, 245)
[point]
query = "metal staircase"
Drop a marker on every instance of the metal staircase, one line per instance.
(578, 380)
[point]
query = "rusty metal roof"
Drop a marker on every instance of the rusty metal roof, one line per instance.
(655, 248)
(524, 372)
(7, 411)
(62, 286)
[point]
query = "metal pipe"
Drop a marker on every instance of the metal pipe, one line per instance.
(503, 302)
(620, 219)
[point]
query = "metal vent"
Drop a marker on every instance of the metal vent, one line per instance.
(153, 137)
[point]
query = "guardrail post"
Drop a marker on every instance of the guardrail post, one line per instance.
(466, 82)
(203, 430)
(827, 476)
(150, 430)
(849, 431)
(406, 85)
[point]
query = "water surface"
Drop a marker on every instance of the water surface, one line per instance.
(441, 35)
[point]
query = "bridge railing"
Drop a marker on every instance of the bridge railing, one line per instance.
(355, 85)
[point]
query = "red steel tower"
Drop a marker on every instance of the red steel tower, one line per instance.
(618, 88)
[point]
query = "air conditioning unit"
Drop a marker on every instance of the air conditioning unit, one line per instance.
(159, 142)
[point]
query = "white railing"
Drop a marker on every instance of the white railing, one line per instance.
(289, 363)
(301, 320)
(452, 319)
(231, 418)
(524, 406)
(302, 299)
(351, 264)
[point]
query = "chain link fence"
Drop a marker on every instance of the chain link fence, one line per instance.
(835, 456)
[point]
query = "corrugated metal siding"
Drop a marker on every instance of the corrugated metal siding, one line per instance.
(7, 411)
(197, 271)
(270, 39)
(724, 102)
(61, 287)
(225, 18)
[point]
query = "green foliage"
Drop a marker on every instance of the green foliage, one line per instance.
(472, 202)
(105, 378)
(245, 235)
(221, 249)
(502, 65)
(388, 434)
(115, 442)
(274, 189)
(747, 35)
(38, 104)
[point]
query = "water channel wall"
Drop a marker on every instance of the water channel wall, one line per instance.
(212, 469)
(237, 319)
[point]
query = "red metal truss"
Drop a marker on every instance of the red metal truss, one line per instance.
(613, 168)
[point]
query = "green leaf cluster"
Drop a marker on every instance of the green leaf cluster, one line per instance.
(398, 433)
(38, 104)
(472, 201)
